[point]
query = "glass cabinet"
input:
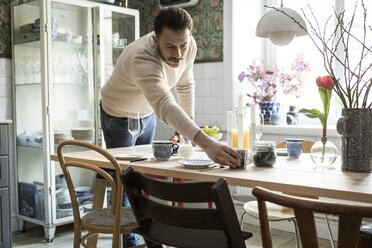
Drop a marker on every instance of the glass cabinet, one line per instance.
(63, 52)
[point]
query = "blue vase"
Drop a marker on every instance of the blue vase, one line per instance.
(267, 109)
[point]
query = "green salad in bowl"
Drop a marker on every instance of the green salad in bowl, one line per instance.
(212, 132)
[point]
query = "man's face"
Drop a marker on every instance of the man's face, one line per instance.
(172, 45)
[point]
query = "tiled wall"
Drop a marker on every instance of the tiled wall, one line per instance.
(209, 98)
(6, 112)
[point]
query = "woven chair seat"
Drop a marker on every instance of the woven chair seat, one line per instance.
(366, 231)
(103, 217)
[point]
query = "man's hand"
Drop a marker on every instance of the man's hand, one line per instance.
(219, 153)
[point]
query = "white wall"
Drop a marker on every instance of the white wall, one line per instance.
(6, 112)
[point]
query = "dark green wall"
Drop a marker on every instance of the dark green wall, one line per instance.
(5, 42)
(208, 25)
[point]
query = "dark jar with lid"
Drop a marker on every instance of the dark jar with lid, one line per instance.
(264, 154)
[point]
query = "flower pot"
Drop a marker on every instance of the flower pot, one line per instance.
(267, 109)
(355, 128)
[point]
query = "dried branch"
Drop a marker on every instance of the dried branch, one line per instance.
(353, 88)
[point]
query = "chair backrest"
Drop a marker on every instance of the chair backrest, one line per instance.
(117, 188)
(350, 217)
(306, 145)
(146, 210)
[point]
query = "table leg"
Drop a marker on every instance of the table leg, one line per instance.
(98, 199)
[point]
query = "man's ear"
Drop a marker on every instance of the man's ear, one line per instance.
(156, 41)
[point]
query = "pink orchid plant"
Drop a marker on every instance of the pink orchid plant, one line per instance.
(267, 80)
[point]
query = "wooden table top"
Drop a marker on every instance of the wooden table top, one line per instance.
(293, 176)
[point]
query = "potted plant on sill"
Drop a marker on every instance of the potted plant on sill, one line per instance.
(352, 86)
(266, 81)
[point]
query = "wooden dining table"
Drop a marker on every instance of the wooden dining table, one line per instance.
(296, 176)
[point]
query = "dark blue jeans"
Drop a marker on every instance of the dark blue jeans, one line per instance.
(115, 132)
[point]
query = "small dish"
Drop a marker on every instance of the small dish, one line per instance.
(128, 156)
(196, 163)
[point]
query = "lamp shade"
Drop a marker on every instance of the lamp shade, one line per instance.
(279, 27)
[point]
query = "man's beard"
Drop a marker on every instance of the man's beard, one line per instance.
(169, 61)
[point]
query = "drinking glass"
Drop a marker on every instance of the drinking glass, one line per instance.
(259, 127)
(134, 126)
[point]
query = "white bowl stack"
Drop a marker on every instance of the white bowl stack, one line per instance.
(82, 133)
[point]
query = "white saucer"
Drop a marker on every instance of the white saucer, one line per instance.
(196, 163)
(128, 156)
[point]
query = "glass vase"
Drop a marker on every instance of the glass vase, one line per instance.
(324, 155)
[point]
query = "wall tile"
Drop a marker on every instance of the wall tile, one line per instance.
(202, 87)
(217, 120)
(219, 70)
(199, 105)
(209, 105)
(202, 119)
(216, 87)
(198, 69)
(5, 86)
(5, 67)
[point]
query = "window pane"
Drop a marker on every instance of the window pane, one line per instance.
(303, 45)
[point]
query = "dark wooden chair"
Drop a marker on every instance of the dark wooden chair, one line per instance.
(350, 217)
(365, 236)
(190, 226)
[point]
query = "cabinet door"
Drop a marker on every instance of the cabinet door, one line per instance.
(72, 73)
(118, 27)
(73, 97)
(29, 100)
(4, 139)
(5, 230)
(4, 173)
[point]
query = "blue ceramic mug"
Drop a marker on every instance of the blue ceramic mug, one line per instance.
(294, 147)
(164, 149)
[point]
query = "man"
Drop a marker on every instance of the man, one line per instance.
(141, 81)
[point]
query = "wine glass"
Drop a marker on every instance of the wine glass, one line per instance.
(259, 126)
(134, 126)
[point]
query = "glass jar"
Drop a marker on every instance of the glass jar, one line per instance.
(264, 154)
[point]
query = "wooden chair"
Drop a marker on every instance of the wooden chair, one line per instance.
(280, 213)
(350, 217)
(116, 220)
(183, 226)
(365, 236)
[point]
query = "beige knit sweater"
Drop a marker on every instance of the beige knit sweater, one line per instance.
(141, 81)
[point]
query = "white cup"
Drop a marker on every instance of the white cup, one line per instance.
(185, 149)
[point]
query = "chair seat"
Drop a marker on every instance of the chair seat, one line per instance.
(191, 238)
(104, 218)
(366, 231)
(275, 212)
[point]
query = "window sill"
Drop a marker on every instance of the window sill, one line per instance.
(300, 130)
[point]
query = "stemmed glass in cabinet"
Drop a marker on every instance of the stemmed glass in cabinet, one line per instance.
(134, 126)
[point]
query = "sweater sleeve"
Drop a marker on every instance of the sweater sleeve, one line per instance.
(149, 77)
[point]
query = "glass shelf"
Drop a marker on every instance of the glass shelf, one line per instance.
(36, 44)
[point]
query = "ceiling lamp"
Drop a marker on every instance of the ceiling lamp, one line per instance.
(279, 27)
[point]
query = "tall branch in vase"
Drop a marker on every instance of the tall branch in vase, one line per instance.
(354, 86)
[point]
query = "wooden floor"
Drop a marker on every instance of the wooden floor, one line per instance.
(34, 238)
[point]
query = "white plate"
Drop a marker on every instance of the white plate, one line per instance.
(128, 156)
(196, 163)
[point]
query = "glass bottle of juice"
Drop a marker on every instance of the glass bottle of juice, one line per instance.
(245, 134)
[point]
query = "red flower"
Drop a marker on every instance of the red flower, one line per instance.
(325, 82)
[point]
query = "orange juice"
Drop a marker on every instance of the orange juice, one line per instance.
(245, 138)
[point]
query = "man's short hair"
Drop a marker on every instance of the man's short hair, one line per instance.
(176, 19)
